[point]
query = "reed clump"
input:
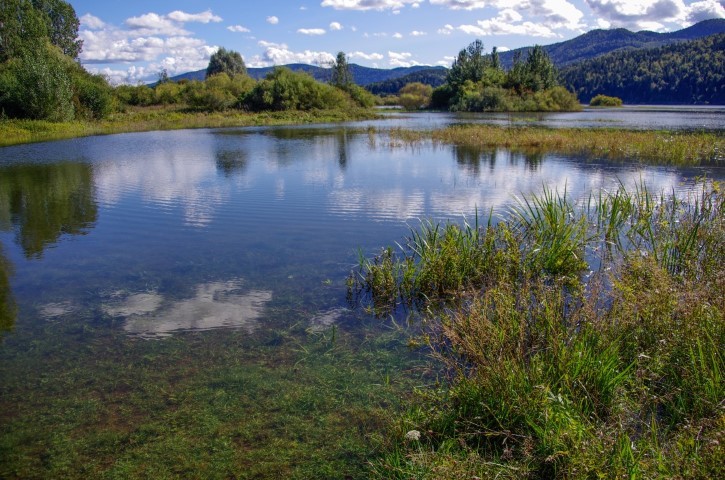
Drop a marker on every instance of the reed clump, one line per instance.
(578, 340)
(660, 147)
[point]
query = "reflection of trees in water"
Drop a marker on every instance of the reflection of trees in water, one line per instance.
(474, 158)
(314, 136)
(8, 309)
(42, 202)
(343, 148)
(231, 162)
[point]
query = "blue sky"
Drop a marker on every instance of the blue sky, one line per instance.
(132, 41)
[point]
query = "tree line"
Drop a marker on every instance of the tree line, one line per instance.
(690, 72)
(478, 82)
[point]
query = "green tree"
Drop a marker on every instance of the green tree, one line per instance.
(23, 28)
(226, 61)
(470, 65)
(341, 76)
(539, 71)
(62, 24)
(415, 96)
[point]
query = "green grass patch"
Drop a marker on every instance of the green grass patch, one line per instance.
(13, 132)
(658, 147)
(580, 340)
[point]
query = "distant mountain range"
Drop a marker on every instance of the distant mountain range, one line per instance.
(599, 42)
(579, 52)
(363, 76)
(691, 72)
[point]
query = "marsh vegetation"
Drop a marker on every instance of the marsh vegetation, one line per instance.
(579, 338)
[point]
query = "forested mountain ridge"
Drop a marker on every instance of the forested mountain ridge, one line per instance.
(691, 72)
(600, 42)
(361, 75)
(435, 77)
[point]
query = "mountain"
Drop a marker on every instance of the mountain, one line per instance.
(361, 75)
(434, 77)
(600, 42)
(687, 72)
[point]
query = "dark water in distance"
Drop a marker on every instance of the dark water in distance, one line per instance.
(163, 232)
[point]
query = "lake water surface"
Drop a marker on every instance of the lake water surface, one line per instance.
(167, 244)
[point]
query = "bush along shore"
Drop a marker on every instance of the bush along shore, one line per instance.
(575, 339)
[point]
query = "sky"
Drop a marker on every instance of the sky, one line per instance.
(133, 41)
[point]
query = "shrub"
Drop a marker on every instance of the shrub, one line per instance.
(605, 101)
(415, 96)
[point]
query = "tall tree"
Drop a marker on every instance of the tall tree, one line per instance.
(23, 28)
(470, 65)
(341, 75)
(62, 24)
(226, 61)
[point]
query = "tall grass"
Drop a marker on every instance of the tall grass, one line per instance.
(580, 339)
(660, 147)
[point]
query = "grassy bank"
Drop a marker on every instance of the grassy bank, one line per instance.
(579, 340)
(646, 145)
(14, 132)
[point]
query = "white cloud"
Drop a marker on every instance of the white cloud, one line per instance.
(397, 35)
(446, 30)
(280, 54)
(646, 14)
(401, 59)
(154, 24)
(463, 4)
(363, 5)
(699, 11)
(417, 33)
(238, 28)
(335, 26)
(272, 20)
(552, 14)
(311, 31)
(507, 23)
(92, 23)
(366, 56)
(203, 17)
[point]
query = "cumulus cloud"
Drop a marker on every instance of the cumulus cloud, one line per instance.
(311, 31)
(272, 20)
(462, 4)
(238, 28)
(699, 11)
(397, 35)
(364, 5)
(91, 22)
(552, 14)
(653, 14)
(203, 17)
(508, 22)
(335, 26)
(366, 56)
(280, 54)
(401, 59)
(160, 41)
(155, 24)
(417, 33)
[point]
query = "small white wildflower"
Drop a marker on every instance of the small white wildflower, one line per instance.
(413, 435)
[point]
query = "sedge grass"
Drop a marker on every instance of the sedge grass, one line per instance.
(650, 146)
(568, 373)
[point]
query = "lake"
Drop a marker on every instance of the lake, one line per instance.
(181, 296)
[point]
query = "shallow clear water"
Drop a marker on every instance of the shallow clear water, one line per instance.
(165, 248)
(268, 217)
